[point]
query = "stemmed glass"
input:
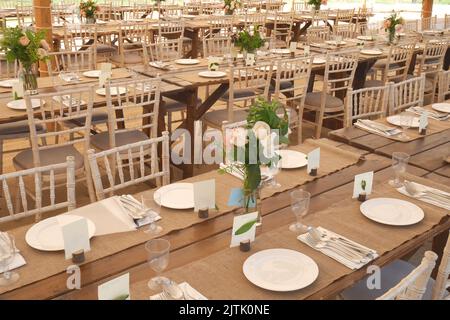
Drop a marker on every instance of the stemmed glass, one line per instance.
(272, 171)
(158, 256)
(405, 122)
(152, 205)
(399, 163)
(299, 206)
(7, 255)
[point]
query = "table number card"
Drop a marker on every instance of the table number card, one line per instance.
(313, 160)
(244, 228)
(76, 237)
(363, 184)
(293, 46)
(250, 59)
(105, 73)
(204, 194)
(423, 121)
(306, 50)
(17, 90)
(115, 289)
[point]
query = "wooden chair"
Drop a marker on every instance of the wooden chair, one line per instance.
(192, 8)
(442, 284)
(406, 94)
(344, 16)
(320, 17)
(246, 84)
(217, 46)
(399, 281)
(281, 34)
(317, 34)
(338, 78)
(298, 7)
(447, 21)
(171, 10)
(24, 13)
(221, 26)
(444, 86)
(34, 177)
(395, 67)
(132, 116)
(411, 26)
(74, 105)
(256, 20)
(428, 23)
(212, 8)
(131, 39)
(70, 61)
(346, 31)
(291, 85)
(166, 50)
(134, 163)
(366, 103)
(170, 28)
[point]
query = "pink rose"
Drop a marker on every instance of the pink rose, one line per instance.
(24, 41)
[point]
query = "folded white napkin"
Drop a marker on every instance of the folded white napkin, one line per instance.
(377, 128)
(189, 293)
(437, 203)
(332, 254)
(16, 263)
(232, 171)
(431, 114)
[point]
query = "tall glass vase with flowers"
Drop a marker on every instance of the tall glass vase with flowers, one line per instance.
(250, 147)
(28, 48)
(392, 25)
(231, 5)
(88, 11)
(317, 3)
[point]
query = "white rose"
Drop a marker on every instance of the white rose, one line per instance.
(41, 53)
(261, 130)
(238, 137)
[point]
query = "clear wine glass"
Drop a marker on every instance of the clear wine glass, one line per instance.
(7, 255)
(158, 256)
(399, 164)
(299, 205)
(152, 206)
(405, 122)
(272, 171)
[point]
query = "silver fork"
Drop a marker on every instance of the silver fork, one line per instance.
(339, 250)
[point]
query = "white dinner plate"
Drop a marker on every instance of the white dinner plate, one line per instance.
(395, 120)
(114, 91)
(442, 107)
(187, 61)
(280, 270)
(92, 73)
(372, 52)
(335, 43)
(46, 235)
(212, 74)
(291, 159)
(101, 22)
(135, 20)
(8, 83)
(21, 105)
(318, 60)
(175, 196)
(365, 38)
(189, 16)
(280, 51)
(394, 212)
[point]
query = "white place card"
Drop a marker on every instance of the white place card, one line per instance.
(204, 194)
(106, 68)
(244, 228)
(293, 46)
(363, 183)
(423, 121)
(102, 79)
(213, 63)
(313, 160)
(115, 289)
(105, 73)
(17, 89)
(76, 237)
(306, 50)
(250, 59)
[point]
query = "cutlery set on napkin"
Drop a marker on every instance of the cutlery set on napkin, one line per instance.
(432, 114)
(137, 211)
(68, 101)
(351, 254)
(426, 194)
(377, 127)
(161, 65)
(69, 77)
(18, 260)
(238, 174)
(174, 291)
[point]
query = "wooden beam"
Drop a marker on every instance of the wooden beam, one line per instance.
(42, 10)
(427, 8)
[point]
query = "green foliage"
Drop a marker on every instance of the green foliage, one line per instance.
(249, 42)
(88, 8)
(245, 227)
(363, 185)
(13, 44)
(268, 112)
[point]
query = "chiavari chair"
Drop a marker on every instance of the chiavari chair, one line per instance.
(131, 39)
(282, 33)
(447, 21)
(444, 86)
(319, 17)
(411, 26)
(406, 94)
(25, 15)
(346, 31)
(217, 46)
(344, 16)
(192, 8)
(317, 34)
(221, 26)
(428, 23)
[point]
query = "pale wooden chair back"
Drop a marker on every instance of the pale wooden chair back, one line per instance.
(70, 61)
(411, 25)
(444, 86)
(165, 50)
(346, 31)
(299, 6)
(221, 26)
(255, 20)
(413, 286)
(255, 79)
(317, 34)
(366, 103)
(34, 177)
(406, 94)
(253, 5)
(340, 70)
(432, 58)
(106, 12)
(428, 23)
(132, 37)
(398, 62)
(442, 283)
(363, 14)
(345, 15)
(274, 6)
(135, 110)
(25, 15)
(79, 37)
(216, 46)
(447, 21)
(211, 8)
(281, 34)
(133, 163)
(171, 10)
(291, 86)
(139, 11)
(319, 17)
(8, 4)
(361, 28)
(170, 28)
(192, 8)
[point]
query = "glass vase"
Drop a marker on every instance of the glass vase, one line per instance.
(29, 80)
(90, 20)
(229, 12)
(391, 37)
(252, 203)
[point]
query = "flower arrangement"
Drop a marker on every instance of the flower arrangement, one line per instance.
(393, 24)
(28, 48)
(88, 10)
(231, 5)
(317, 3)
(251, 146)
(249, 41)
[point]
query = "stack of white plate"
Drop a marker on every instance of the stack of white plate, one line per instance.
(175, 196)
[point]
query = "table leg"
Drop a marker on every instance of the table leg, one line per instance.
(191, 110)
(304, 28)
(447, 59)
(361, 73)
(193, 34)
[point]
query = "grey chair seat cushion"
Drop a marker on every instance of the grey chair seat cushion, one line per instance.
(17, 127)
(101, 140)
(428, 82)
(98, 117)
(217, 117)
(313, 99)
(391, 275)
(171, 105)
(24, 159)
(373, 83)
(128, 59)
(238, 94)
(284, 85)
(105, 48)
